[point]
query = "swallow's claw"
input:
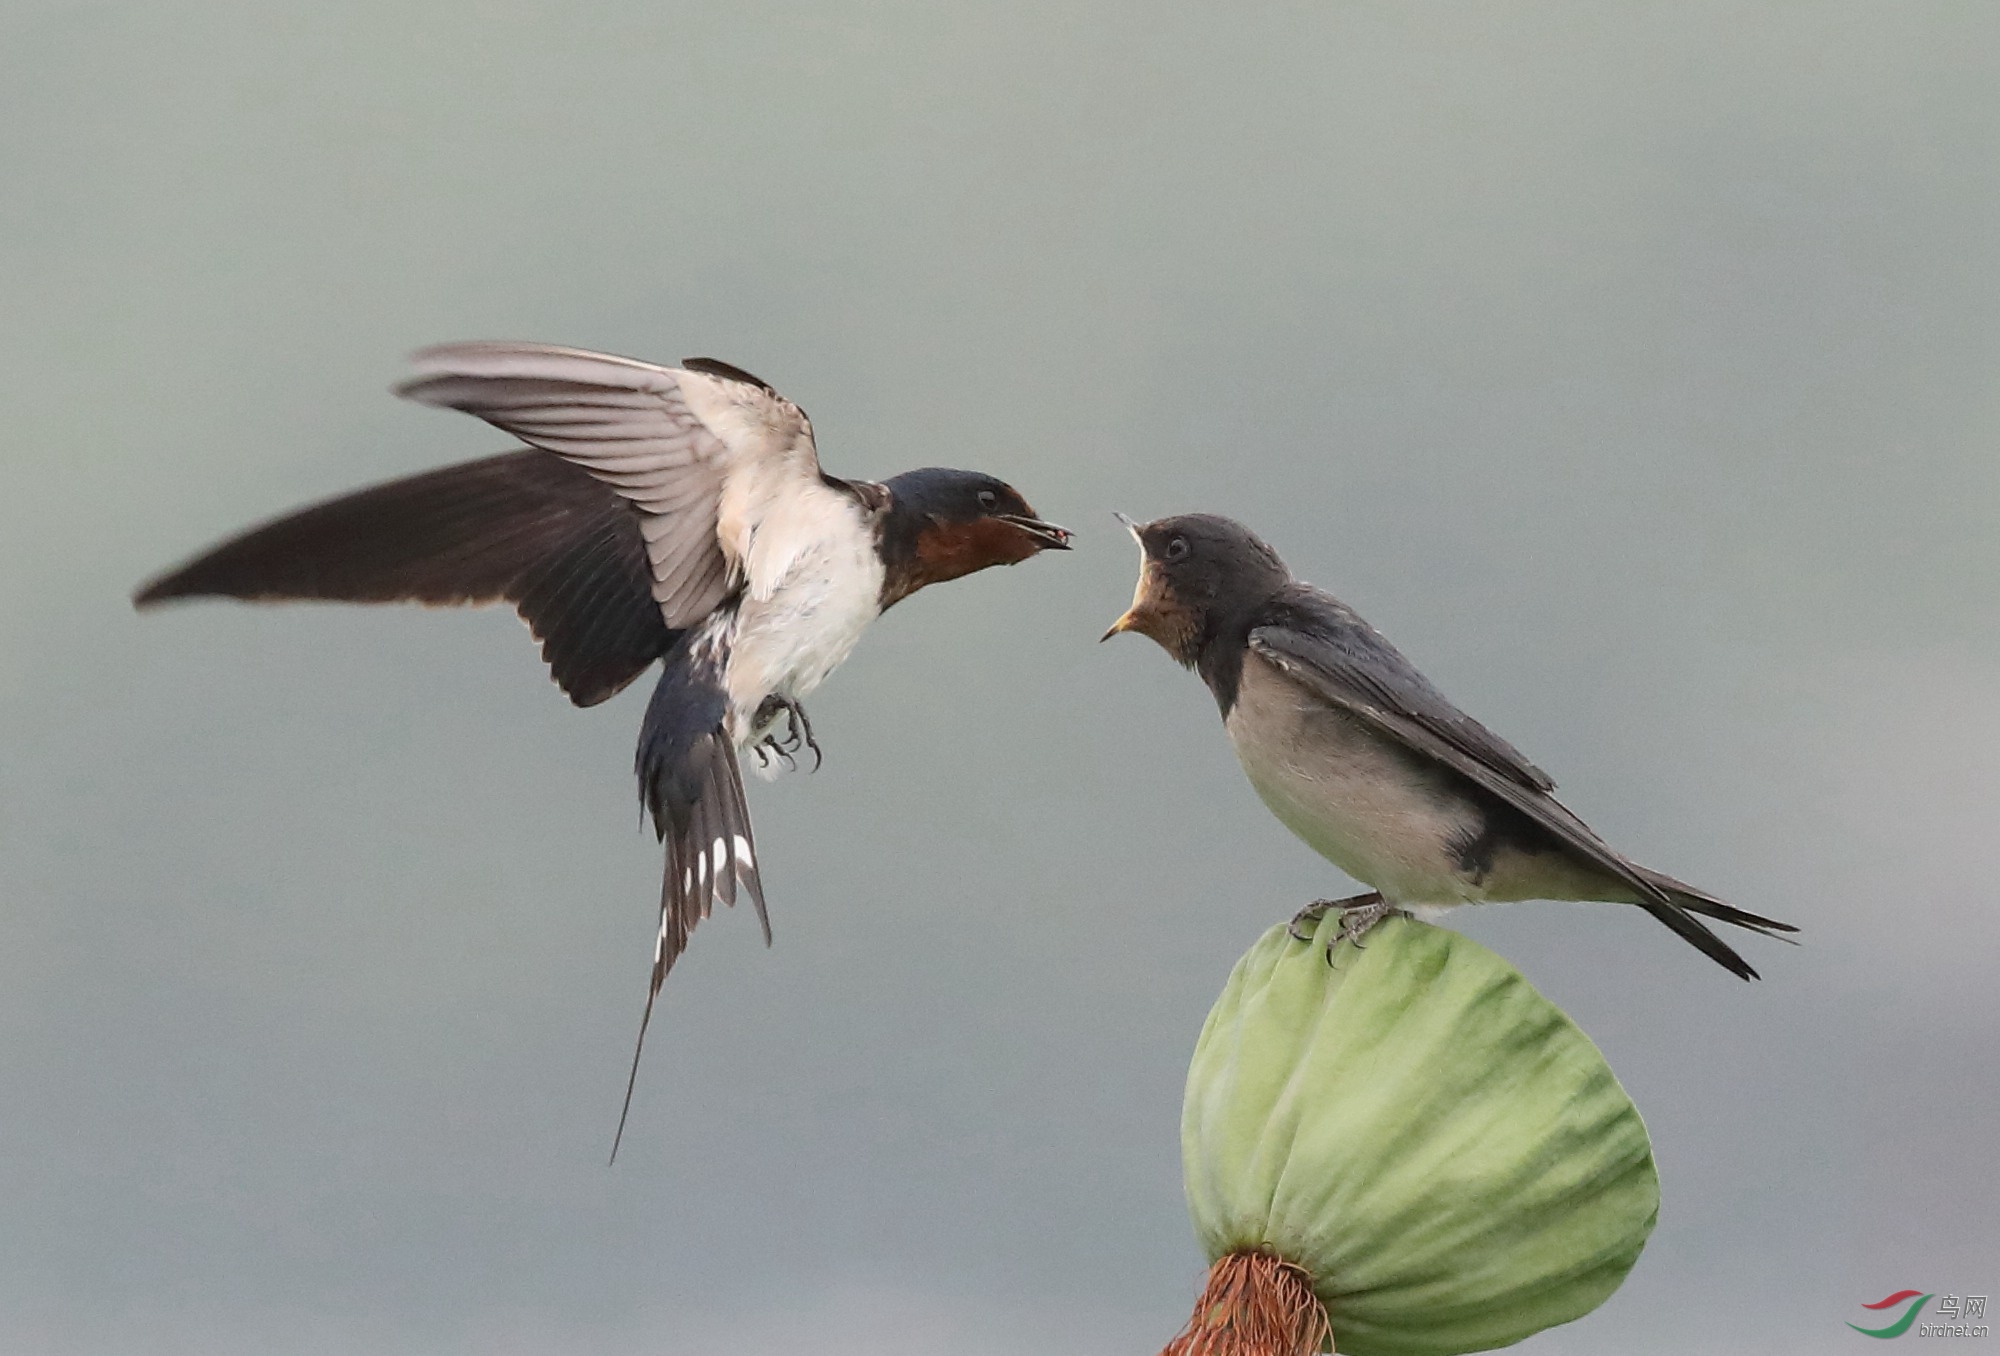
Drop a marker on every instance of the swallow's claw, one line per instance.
(1311, 913)
(798, 733)
(1358, 914)
(811, 743)
(770, 747)
(802, 731)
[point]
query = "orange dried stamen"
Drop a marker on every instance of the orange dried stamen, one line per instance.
(1255, 1304)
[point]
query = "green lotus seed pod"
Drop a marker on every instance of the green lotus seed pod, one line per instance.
(1432, 1142)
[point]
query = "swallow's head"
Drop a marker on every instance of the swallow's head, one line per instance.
(1197, 574)
(943, 524)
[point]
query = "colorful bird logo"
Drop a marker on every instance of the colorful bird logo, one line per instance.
(1916, 1300)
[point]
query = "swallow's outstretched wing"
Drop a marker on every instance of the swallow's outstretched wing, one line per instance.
(634, 514)
(1324, 647)
(705, 452)
(525, 527)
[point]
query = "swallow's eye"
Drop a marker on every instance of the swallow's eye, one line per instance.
(988, 501)
(1177, 548)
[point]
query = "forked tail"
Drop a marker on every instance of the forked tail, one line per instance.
(690, 783)
(1685, 900)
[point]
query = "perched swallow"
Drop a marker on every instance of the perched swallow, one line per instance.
(658, 513)
(1355, 752)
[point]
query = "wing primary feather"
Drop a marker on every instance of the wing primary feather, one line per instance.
(1294, 656)
(1316, 628)
(644, 431)
(601, 624)
(512, 528)
(1419, 718)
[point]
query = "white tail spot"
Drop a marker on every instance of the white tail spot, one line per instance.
(743, 851)
(721, 850)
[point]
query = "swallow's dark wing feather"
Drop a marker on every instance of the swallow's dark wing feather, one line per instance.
(524, 527)
(1320, 643)
(669, 440)
(1332, 637)
(1323, 646)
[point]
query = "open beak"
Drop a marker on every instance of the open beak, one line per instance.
(1046, 536)
(1129, 619)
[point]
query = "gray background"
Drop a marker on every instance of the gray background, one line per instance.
(1633, 366)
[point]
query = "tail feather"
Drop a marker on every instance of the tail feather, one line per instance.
(691, 783)
(1683, 901)
(1707, 905)
(1700, 937)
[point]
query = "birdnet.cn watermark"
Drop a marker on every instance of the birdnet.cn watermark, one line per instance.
(1954, 1316)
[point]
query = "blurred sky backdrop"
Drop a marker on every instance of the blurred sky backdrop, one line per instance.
(1633, 366)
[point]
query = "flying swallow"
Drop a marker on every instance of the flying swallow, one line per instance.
(657, 513)
(1355, 752)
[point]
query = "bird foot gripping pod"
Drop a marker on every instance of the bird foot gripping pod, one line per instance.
(1410, 1152)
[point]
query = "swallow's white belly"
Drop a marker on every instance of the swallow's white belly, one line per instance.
(1359, 800)
(788, 642)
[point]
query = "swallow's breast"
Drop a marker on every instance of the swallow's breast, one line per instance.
(790, 639)
(1374, 809)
